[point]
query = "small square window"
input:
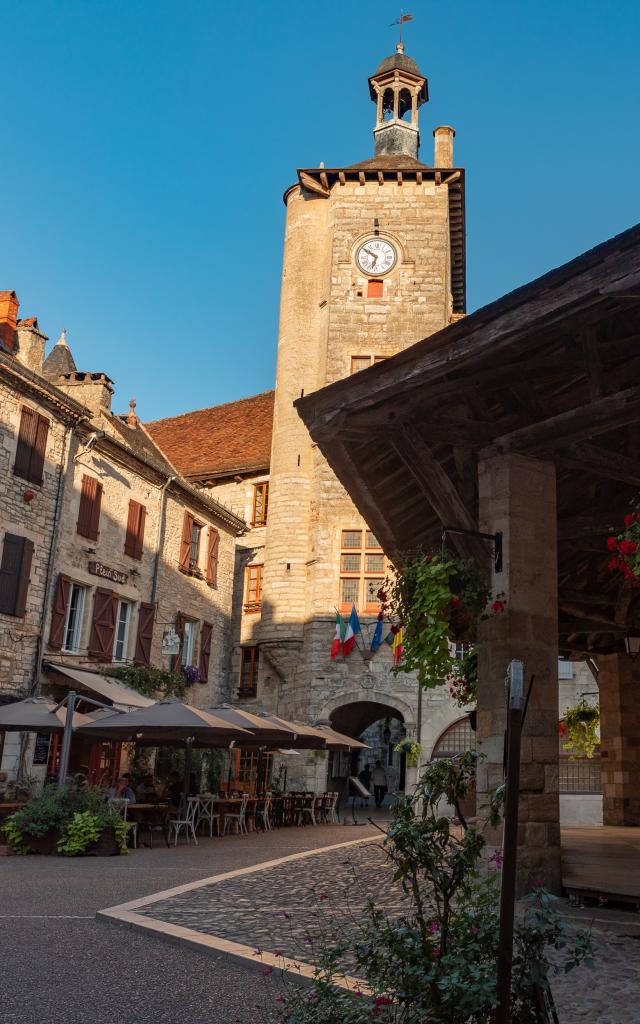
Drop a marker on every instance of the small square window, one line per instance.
(375, 289)
(350, 563)
(374, 563)
(372, 540)
(352, 538)
(360, 363)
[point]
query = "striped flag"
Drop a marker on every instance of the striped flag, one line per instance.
(341, 628)
(397, 647)
(377, 636)
(353, 627)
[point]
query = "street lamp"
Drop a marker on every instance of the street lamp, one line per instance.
(386, 735)
(632, 643)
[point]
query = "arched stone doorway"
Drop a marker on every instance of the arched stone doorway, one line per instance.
(380, 720)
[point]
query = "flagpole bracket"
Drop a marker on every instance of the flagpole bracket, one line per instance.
(495, 538)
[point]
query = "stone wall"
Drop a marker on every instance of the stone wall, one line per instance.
(26, 510)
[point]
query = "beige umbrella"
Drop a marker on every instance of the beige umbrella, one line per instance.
(168, 722)
(338, 740)
(264, 733)
(304, 736)
(37, 714)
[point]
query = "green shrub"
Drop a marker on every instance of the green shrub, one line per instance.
(46, 812)
(152, 682)
(78, 815)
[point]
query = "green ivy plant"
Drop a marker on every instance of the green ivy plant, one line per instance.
(581, 724)
(412, 750)
(46, 812)
(439, 600)
(83, 829)
(152, 682)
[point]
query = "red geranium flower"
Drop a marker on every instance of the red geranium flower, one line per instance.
(497, 607)
(455, 602)
(628, 547)
(562, 728)
(628, 519)
(614, 564)
(612, 543)
(384, 1001)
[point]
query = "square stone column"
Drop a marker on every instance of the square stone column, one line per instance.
(518, 497)
(619, 685)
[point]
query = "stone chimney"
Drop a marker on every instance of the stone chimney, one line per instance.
(444, 137)
(95, 390)
(9, 306)
(30, 344)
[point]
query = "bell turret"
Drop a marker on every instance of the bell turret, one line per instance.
(398, 89)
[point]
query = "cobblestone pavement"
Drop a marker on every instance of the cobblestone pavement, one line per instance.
(284, 909)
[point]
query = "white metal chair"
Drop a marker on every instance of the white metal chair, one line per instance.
(263, 812)
(121, 806)
(187, 822)
(332, 810)
(308, 809)
(238, 816)
(206, 813)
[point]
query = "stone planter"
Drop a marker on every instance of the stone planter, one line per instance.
(46, 844)
(105, 845)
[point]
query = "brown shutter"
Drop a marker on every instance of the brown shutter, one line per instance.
(185, 544)
(205, 651)
(59, 612)
(39, 451)
(89, 512)
(212, 556)
(103, 625)
(134, 541)
(179, 627)
(144, 638)
(23, 580)
(15, 567)
(26, 442)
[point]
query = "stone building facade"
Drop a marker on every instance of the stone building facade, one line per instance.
(122, 549)
(373, 261)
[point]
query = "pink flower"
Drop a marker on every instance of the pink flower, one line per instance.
(358, 992)
(434, 927)
(280, 999)
(539, 882)
(322, 897)
(267, 970)
(497, 858)
(277, 952)
(257, 952)
(384, 1001)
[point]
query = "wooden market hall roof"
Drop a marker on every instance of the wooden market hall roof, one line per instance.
(549, 370)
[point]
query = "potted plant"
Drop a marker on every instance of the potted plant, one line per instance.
(580, 725)
(412, 750)
(100, 834)
(67, 821)
(36, 827)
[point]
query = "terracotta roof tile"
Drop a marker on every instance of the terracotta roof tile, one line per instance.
(220, 441)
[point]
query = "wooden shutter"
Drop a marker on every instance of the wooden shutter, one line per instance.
(134, 541)
(15, 567)
(103, 624)
(212, 556)
(205, 651)
(89, 512)
(185, 544)
(39, 451)
(59, 612)
(176, 661)
(144, 638)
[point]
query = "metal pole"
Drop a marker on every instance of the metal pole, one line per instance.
(66, 739)
(515, 698)
(187, 769)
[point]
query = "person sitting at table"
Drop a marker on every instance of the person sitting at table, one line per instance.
(146, 791)
(122, 790)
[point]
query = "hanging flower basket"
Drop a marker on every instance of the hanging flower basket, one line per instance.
(463, 680)
(439, 601)
(412, 750)
(624, 549)
(580, 726)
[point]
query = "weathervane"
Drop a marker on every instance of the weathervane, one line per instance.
(402, 20)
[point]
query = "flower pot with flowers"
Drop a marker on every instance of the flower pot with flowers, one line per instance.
(624, 548)
(439, 600)
(580, 726)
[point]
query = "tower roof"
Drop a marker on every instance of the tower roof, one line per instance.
(400, 61)
(59, 361)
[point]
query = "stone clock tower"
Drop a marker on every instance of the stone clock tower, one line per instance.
(373, 262)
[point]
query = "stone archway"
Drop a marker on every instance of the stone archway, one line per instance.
(353, 707)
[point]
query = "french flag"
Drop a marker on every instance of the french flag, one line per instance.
(353, 627)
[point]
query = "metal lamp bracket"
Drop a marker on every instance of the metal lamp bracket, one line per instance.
(495, 538)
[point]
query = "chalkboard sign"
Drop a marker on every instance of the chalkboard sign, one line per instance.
(41, 753)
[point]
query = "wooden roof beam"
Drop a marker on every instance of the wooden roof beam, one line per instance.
(589, 458)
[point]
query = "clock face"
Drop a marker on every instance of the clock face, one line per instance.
(375, 256)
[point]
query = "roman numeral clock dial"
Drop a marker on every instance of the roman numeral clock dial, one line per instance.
(375, 256)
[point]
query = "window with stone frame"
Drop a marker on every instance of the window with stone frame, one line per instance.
(362, 571)
(250, 659)
(74, 618)
(260, 504)
(364, 362)
(188, 652)
(121, 637)
(253, 588)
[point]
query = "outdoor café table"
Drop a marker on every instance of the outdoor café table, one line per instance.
(151, 815)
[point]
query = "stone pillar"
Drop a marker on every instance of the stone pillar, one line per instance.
(619, 685)
(518, 497)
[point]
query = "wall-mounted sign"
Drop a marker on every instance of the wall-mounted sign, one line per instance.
(170, 642)
(107, 573)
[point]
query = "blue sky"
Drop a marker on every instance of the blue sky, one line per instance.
(146, 147)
